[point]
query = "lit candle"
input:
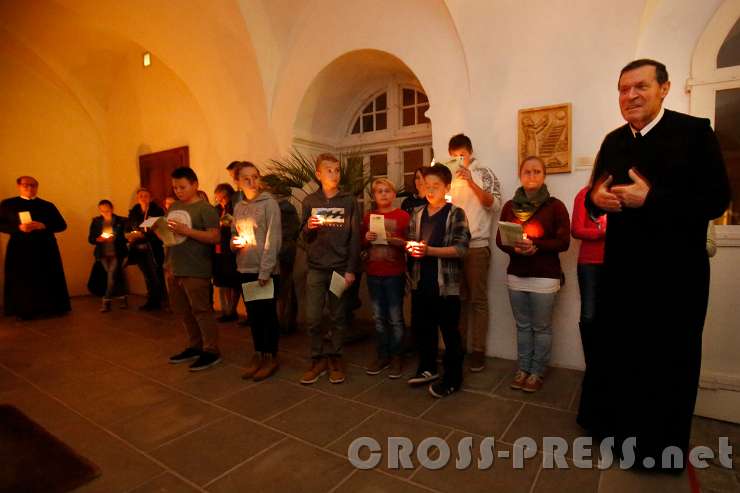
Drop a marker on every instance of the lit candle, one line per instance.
(413, 247)
(524, 235)
(106, 235)
(246, 234)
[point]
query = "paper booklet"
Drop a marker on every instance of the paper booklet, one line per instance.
(337, 286)
(329, 216)
(25, 217)
(253, 291)
(159, 225)
(510, 233)
(453, 164)
(377, 226)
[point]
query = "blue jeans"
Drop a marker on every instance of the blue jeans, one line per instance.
(533, 316)
(589, 277)
(110, 264)
(588, 282)
(387, 297)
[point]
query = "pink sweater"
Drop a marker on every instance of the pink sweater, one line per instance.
(590, 233)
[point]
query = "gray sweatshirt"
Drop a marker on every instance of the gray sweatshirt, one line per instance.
(258, 221)
(336, 244)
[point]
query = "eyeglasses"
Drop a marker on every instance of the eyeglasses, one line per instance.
(29, 185)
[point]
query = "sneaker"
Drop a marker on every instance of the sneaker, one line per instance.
(336, 372)
(269, 366)
(318, 368)
(205, 361)
(105, 307)
(188, 354)
(396, 367)
(477, 361)
(533, 383)
(441, 389)
(377, 366)
(423, 377)
(253, 366)
(519, 380)
(227, 318)
(122, 302)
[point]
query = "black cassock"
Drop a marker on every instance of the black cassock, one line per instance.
(643, 373)
(34, 276)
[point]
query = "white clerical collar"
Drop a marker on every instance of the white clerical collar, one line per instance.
(27, 198)
(650, 125)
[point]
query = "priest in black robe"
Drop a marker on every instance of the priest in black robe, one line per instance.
(660, 178)
(34, 276)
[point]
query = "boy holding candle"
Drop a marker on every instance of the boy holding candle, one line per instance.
(189, 269)
(331, 232)
(257, 242)
(386, 280)
(440, 237)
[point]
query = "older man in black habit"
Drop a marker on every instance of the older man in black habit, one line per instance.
(660, 178)
(34, 276)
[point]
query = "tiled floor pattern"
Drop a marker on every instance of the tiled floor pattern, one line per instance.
(101, 382)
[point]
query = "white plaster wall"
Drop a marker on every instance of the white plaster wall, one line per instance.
(503, 56)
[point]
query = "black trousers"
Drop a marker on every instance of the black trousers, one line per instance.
(153, 276)
(430, 313)
(263, 318)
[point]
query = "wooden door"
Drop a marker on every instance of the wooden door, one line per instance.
(155, 170)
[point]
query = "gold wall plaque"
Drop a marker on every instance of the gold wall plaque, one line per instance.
(546, 132)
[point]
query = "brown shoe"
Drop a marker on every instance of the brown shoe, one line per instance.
(377, 366)
(533, 383)
(253, 366)
(396, 367)
(269, 366)
(477, 361)
(318, 368)
(336, 372)
(519, 380)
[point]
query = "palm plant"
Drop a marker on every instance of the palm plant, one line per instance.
(293, 172)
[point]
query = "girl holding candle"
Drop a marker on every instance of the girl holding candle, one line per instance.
(107, 233)
(534, 274)
(257, 239)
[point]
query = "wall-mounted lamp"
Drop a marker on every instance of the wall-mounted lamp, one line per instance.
(147, 59)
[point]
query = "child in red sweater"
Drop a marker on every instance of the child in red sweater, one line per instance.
(386, 267)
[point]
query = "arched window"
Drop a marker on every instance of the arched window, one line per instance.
(414, 105)
(374, 116)
(715, 94)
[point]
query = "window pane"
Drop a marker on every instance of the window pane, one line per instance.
(381, 121)
(408, 97)
(729, 54)
(412, 159)
(368, 108)
(380, 102)
(420, 117)
(367, 123)
(408, 183)
(727, 127)
(379, 165)
(356, 127)
(421, 98)
(408, 117)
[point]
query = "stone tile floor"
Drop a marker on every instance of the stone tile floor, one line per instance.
(101, 382)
